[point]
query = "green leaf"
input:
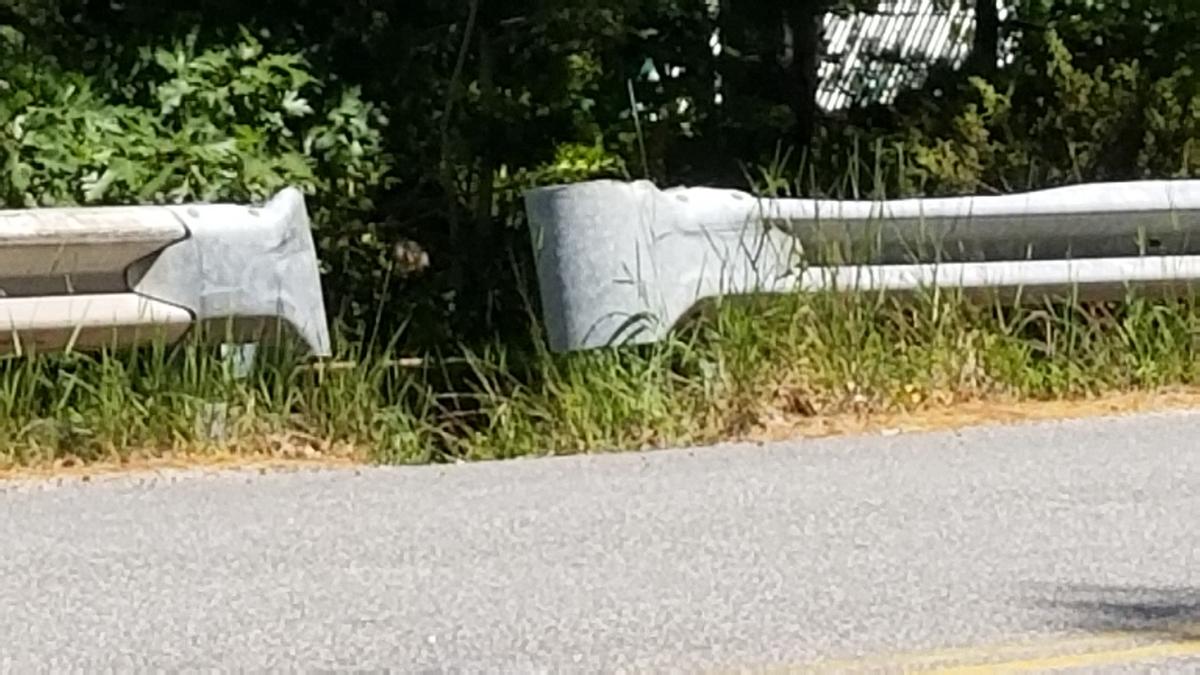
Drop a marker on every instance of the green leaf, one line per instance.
(295, 106)
(94, 187)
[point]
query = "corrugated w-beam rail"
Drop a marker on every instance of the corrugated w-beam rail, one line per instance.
(118, 276)
(624, 262)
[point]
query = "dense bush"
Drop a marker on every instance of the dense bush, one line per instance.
(232, 122)
(183, 123)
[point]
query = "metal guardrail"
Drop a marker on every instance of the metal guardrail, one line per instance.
(624, 262)
(80, 278)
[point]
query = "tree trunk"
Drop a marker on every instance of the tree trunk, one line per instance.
(780, 46)
(482, 245)
(985, 51)
(446, 168)
(804, 48)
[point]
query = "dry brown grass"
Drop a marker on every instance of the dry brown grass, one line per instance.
(782, 426)
(276, 452)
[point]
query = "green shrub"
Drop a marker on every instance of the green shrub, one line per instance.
(226, 123)
(230, 122)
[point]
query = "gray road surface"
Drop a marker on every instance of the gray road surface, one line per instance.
(1066, 544)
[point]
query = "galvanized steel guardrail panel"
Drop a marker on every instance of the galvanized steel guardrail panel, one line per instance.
(87, 277)
(624, 262)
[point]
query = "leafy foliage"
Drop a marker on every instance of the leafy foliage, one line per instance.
(184, 123)
(223, 123)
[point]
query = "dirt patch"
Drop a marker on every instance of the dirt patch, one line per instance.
(780, 427)
(270, 453)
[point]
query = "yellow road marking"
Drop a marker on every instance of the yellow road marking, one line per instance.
(1157, 652)
(975, 653)
(1111, 648)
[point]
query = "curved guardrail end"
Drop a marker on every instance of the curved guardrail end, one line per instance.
(243, 269)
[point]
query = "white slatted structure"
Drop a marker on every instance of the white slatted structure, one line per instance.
(874, 56)
(871, 57)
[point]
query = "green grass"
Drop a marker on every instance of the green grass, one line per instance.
(721, 376)
(739, 365)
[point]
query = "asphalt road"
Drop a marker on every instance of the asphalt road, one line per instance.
(1052, 545)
